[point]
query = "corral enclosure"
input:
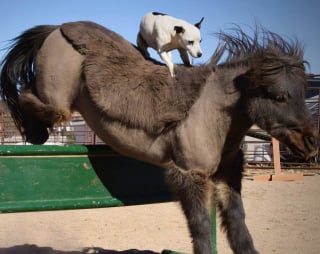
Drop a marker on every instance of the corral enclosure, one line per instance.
(256, 145)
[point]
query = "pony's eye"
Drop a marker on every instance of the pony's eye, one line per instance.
(190, 42)
(282, 98)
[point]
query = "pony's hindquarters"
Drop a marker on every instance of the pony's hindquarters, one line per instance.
(39, 80)
(59, 67)
(18, 75)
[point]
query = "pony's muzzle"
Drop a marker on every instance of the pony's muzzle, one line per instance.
(311, 144)
(304, 145)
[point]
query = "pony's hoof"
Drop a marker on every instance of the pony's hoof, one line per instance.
(37, 136)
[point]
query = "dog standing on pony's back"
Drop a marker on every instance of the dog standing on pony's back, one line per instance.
(165, 33)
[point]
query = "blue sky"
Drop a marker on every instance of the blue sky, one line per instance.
(289, 18)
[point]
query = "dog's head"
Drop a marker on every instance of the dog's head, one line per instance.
(190, 38)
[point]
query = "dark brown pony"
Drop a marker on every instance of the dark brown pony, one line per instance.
(191, 125)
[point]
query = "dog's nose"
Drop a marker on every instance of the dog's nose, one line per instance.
(199, 54)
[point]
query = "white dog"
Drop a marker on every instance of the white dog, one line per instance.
(165, 33)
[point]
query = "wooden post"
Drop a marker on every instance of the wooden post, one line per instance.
(278, 175)
(276, 156)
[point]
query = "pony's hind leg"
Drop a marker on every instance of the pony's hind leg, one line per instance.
(59, 74)
(38, 117)
(58, 69)
(193, 190)
(227, 189)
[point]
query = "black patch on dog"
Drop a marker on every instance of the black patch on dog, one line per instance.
(179, 29)
(158, 14)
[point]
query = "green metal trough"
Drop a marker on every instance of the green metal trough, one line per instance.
(51, 177)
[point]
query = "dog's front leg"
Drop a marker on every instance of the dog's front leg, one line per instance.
(166, 57)
(185, 57)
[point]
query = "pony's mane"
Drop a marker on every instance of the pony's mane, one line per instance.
(238, 48)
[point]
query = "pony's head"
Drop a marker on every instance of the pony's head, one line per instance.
(277, 105)
(273, 84)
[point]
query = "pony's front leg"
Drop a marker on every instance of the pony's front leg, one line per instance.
(193, 189)
(227, 194)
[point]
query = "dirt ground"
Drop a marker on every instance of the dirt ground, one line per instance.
(283, 217)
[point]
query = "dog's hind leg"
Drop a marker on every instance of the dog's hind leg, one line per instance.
(142, 46)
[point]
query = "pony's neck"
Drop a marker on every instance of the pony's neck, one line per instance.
(189, 83)
(232, 104)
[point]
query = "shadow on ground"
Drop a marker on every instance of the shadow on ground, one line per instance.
(33, 249)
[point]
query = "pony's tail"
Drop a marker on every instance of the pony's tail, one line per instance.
(18, 72)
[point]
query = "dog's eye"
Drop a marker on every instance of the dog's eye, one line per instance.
(190, 42)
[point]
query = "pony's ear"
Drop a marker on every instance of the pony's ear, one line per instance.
(198, 25)
(179, 29)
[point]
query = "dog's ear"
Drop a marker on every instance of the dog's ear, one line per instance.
(198, 25)
(179, 29)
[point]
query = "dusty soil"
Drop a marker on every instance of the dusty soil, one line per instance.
(283, 217)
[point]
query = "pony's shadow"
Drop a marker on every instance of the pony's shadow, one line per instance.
(34, 249)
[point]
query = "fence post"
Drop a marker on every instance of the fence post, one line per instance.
(278, 175)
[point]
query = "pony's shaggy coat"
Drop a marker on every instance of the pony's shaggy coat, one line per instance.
(126, 89)
(191, 125)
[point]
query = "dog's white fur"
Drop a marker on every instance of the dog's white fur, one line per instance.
(165, 33)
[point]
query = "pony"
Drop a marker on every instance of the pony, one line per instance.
(191, 125)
